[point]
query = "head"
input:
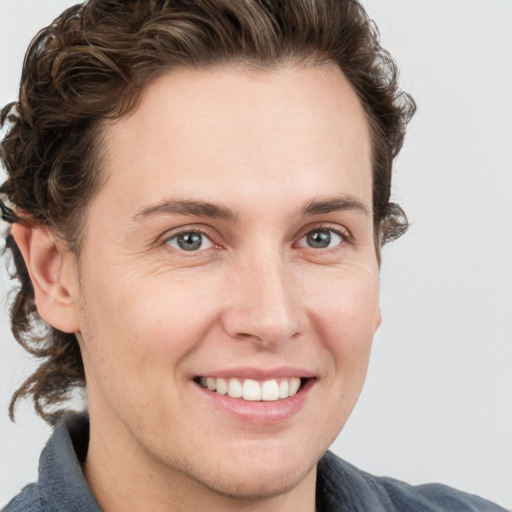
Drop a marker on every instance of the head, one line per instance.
(111, 83)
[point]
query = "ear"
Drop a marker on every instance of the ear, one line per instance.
(53, 273)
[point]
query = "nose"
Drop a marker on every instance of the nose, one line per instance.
(264, 302)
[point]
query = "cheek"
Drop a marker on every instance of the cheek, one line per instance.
(348, 315)
(147, 318)
(136, 339)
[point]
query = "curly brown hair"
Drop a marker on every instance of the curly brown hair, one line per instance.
(92, 63)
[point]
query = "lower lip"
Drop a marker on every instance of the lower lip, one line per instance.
(259, 413)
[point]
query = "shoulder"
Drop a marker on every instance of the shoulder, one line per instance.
(340, 483)
(61, 485)
(437, 497)
(28, 500)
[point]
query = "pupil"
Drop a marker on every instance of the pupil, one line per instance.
(319, 239)
(190, 241)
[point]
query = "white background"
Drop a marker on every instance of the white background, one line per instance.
(437, 405)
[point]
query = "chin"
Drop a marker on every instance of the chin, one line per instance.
(255, 484)
(260, 476)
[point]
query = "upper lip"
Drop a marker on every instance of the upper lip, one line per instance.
(261, 374)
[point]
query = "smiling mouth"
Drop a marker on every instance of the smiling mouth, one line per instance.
(253, 390)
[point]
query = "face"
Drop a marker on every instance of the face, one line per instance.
(230, 252)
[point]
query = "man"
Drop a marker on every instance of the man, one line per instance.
(198, 196)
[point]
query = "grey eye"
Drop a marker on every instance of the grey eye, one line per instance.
(321, 239)
(190, 241)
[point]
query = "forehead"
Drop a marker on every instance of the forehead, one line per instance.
(285, 127)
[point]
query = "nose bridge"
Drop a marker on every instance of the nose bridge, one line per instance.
(264, 301)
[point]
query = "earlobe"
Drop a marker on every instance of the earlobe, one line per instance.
(47, 264)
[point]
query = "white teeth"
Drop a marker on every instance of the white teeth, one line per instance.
(253, 390)
(235, 388)
(269, 390)
(222, 387)
(294, 386)
(283, 389)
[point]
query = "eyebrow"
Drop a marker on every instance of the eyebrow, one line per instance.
(314, 207)
(187, 207)
(334, 204)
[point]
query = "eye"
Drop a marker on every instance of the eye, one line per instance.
(190, 241)
(321, 239)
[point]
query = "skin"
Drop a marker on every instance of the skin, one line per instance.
(150, 316)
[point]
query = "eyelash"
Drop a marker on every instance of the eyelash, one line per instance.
(345, 236)
(194, 230)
